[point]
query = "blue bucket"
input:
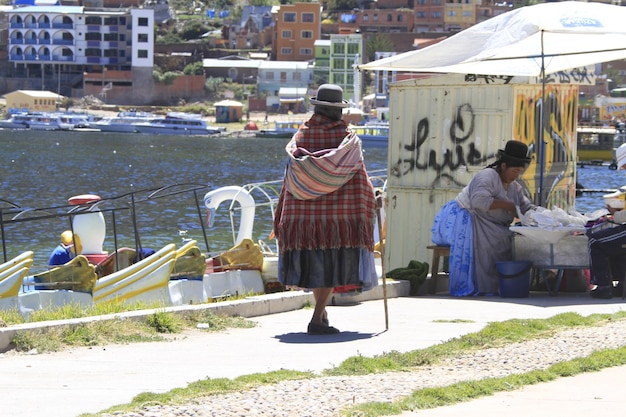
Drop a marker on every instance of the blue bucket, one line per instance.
(514, 278)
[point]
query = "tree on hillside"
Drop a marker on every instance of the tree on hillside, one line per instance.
(195, 68)
(342, 5)
(379, 42)
(193, 29)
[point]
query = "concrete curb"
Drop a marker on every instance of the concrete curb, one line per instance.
(253, 306)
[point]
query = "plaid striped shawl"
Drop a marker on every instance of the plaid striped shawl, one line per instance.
(314, 174)
(340, 218)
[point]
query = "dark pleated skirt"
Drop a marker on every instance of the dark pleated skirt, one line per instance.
(327, 268)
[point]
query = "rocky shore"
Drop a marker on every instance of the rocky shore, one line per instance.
(327, 396)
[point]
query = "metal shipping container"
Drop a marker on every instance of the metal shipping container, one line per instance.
(445, 128)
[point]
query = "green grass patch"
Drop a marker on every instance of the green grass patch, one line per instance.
(163, 322)
(97, 333)
(75, 311)
(120, 330)
(493, 335)
(454, 321)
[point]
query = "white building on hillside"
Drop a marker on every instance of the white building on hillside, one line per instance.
(76, 35)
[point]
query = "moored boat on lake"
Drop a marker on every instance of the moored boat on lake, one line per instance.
(17, 121)
(372, 134)
(178, 124)
(124, 122)
(48, 121)
(598, 144)
(282, 129)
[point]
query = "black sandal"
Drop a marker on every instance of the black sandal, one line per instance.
(318, 329)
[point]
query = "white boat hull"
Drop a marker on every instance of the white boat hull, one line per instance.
(232, 283)
(175, 130)
(5, 124)
(47, 299)
(45, 126)
(116, 128)
(178, 124)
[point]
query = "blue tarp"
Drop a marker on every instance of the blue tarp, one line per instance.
(348, 18)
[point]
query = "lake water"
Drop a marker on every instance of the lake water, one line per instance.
(598, 178)
(44, 169)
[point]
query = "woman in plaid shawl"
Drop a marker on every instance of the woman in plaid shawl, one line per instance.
(324, 220)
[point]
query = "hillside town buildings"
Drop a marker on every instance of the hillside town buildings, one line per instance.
(106, 48)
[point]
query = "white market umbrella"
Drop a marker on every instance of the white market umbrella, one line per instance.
(530, 41)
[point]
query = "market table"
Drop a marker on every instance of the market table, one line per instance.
(551, 249)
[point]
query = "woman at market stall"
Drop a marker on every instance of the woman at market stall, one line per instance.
(476, 223)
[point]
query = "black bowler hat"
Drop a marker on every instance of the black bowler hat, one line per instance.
(515, 153)
(329, 95)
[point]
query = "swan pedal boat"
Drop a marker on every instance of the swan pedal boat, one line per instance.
(12, 274)
(169, 277)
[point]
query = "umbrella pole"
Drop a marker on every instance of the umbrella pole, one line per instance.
(542, 146)
(382, 264)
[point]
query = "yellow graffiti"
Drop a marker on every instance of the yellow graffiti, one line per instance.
(559, 139)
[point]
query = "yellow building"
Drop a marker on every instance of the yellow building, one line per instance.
(297, 27)
(32, 100)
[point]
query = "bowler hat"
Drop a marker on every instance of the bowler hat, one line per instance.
(329, 95)
(515, 153)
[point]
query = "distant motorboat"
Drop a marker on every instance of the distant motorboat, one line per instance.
(71, 121)
(598, 144)
(124, 122)
(282, 129)
(47, 121)
(17, 121)
(178, 124)
(372, 133)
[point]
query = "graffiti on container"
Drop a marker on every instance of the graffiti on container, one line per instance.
(488, 79)
(549, 122)
(463, 151)
(581, 75)
(556, 166)
(575, 76)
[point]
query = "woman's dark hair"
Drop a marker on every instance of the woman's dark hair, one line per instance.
(333, 113)
(510, 163)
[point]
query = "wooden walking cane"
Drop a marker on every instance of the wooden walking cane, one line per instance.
(382, 264)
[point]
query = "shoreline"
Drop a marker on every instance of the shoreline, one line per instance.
(234, 129)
